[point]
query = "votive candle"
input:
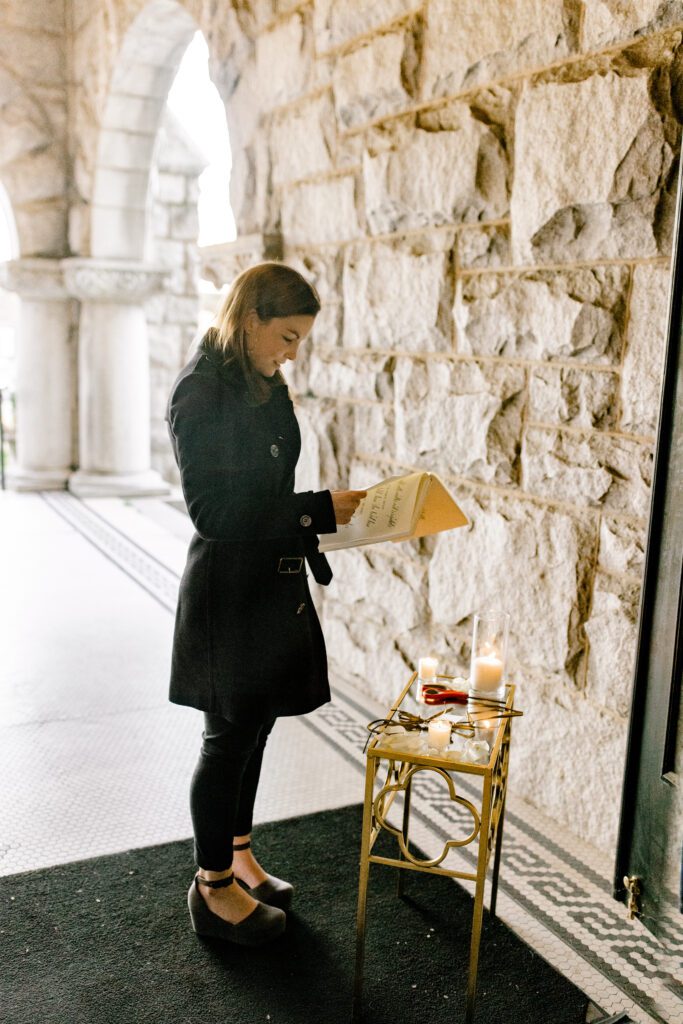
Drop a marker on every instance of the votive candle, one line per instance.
(426, 668)
(439, 734)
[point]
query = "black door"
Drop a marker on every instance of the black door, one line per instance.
(651, 829)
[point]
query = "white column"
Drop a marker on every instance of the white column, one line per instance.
(113, 377)
(45, 375)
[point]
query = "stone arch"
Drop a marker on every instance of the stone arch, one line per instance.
(32, 169)
(146, 65)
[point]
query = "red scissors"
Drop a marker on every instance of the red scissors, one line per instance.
(439, 694)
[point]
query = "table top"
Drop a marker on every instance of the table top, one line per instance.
(395, 743)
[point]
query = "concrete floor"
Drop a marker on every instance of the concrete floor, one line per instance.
(94, 759)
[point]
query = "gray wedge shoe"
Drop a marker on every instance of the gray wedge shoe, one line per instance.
(274, 891)
(262, 925)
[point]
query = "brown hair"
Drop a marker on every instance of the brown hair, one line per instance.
(273, 290)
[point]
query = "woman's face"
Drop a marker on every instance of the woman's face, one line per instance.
(271, 343)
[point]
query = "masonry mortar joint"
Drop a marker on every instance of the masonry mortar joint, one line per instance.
(355, 42)
(526, 74)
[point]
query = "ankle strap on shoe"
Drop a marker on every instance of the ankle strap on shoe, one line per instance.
(242, 846)
(216, 883)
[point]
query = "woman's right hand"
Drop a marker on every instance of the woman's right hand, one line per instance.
(345, 504)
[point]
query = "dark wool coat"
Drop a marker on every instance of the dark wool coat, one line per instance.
(247, 638)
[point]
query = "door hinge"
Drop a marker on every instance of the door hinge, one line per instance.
(632, 886)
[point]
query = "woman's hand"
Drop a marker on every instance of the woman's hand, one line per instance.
(345, 504)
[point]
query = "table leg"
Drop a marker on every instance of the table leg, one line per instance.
(370, 773)
(478, 913)
(405, 830)
(496, 860)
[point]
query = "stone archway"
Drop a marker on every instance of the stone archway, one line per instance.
(113, 283)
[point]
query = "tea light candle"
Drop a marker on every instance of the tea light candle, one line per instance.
(487, 672)
(439, 734)
(426, 668)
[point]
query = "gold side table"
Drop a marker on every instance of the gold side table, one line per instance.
(487, 826)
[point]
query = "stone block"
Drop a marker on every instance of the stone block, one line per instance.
(544, 314)
(333, 426)
(133, 113)
(479, 40)
(484, 247)
(36, 177)
(307, 475)
(356, 648)
(590, 470)
(42, 230)
(645, 347)
(380, 585)
(437, 177)
(368, 82)
(302, 140)
(525, 560)
(593, 192)
(126, 149)
(622, 546)
(283, 62)
(184, 223)
(48, 15)
(460, 418)
(161, 220)
(118, 232)
(320, 212)
(612, 632)
(609, 21)
(170, 188)
(373, 430)
(121, 187)
(182, 309)
(25, 129)
(169, 253)
(355, 375)
(377, 282)
(322, 269)
(567, 759)
(574, 398)
(35, 57)
(336, 22)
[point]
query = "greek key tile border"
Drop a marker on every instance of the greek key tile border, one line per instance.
(562, 894)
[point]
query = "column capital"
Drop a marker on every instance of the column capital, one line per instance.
(34, 278)
(104, 280)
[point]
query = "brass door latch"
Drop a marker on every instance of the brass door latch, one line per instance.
(632, 886)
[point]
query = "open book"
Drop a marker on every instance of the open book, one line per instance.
(396, 509)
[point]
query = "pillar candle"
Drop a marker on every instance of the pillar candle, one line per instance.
(488, 672)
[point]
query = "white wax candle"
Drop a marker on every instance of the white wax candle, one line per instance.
(487, 672)
(426, 668)
(439, 734)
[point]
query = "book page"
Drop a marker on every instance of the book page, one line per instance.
(387, 512)
(439, 511)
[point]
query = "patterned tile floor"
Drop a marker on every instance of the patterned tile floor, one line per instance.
(95, 760)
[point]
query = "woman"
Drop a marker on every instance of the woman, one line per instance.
(247, 645)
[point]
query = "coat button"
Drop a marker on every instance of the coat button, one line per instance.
(305, 520)
(274, 450)
(300, 609)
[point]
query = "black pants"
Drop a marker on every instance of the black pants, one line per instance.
(224, 787)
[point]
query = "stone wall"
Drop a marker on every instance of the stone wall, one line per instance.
(483, 194)
(33, 118)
